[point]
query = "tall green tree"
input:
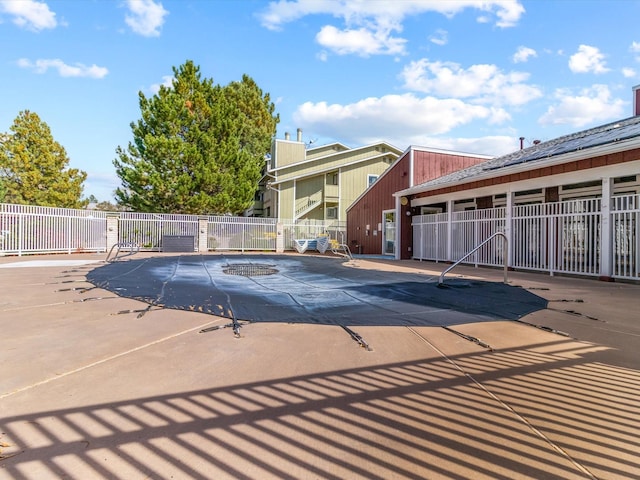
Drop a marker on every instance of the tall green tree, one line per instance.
(198, 147)
(34, 168)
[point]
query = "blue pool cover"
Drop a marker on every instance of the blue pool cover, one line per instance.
(309, 289)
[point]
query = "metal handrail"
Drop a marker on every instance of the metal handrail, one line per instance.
(132, 246)
(505, 255)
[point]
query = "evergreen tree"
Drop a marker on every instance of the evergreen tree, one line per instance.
(34, 167)
(198, 147)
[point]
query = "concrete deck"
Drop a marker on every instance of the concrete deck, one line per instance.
(96, 386)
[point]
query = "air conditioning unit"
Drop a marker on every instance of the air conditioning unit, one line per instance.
(332, 212)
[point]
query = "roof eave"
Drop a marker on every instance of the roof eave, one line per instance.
(523, 167)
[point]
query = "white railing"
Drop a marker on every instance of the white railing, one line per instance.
(563, 237)
(430, 236)
(472, 227)
(559, 237)
(625, 221)
(301, 229)
(241, 233)
(30, 229)
(147, 229)
(306, 204)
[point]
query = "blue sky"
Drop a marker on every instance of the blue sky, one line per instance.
(463, 75)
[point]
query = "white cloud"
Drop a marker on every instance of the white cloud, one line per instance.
(167, 81)
(587, 106)
(523, 54)
(635, 48)
(393, 116)
(440, 37)
(494, 145)
(145, 17)
(628, 72)
(378, 21)
(29, 14)
(485, 84)
(64, 70)
(587, 59)
(359, 41)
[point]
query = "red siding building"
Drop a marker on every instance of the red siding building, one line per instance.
(371, 219)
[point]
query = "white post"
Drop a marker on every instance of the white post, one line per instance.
(606, 245)
(112, 230)
(450, 231)
(396, 240)
(508, 228)
(279, 238)
(203, 234)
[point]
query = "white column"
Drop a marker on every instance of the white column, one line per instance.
(398, 220)
(508, 228)
(450, 231)
(606, 244)
(112, 230)
(279, 238)
(203, 234)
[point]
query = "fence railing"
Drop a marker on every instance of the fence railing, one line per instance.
(625, 221)
(28, 230)
(559, 237)
(147, 229)
(563, 237)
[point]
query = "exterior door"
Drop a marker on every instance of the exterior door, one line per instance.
(389, 232)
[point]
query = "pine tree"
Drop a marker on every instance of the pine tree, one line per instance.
(34, 167)
(198, 147)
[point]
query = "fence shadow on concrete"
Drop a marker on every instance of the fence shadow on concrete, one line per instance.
(556, 410)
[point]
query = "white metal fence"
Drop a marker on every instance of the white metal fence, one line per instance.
(563, 237)
(625, 213)
(147, 229)
(560, 237)
(241, 233)
(29, 230)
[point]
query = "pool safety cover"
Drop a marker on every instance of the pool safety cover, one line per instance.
(310, 289)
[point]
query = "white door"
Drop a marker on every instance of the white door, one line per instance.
(389, 232)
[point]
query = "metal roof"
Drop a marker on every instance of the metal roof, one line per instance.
(608, 134)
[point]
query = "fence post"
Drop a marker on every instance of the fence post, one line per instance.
(508, 228)
(203, 234)
(279, 237)
(112, 229)
(449, 250)
(606, 250)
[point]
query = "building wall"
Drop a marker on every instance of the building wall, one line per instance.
(333, 162)
(367, 210)
(286, 152)
(427, 165)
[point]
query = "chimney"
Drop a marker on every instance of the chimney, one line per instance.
(521, 143)
(299, 134)
(636, 100)
(287, 136)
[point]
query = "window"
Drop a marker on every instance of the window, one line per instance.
(371, 179)
(332, 178)
(332, 212)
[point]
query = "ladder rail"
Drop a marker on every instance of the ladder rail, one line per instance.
(132, 246)
(505, 256)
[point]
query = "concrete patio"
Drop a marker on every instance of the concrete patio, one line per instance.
(97, 386)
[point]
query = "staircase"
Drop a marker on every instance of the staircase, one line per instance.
(306, 204)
